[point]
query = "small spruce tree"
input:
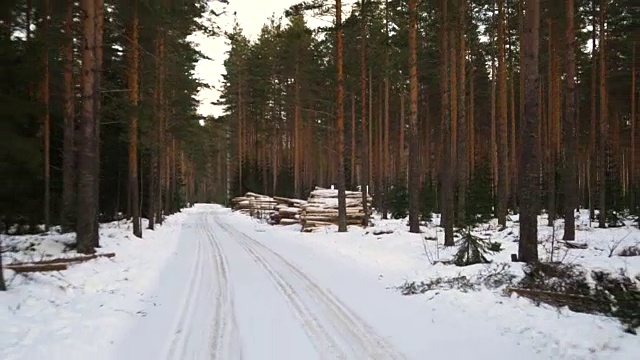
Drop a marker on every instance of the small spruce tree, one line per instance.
(399, 201)
(614, 198)
(480, 197)
(428, 199)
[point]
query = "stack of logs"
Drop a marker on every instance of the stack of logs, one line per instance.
(321, 209)
(255, 205)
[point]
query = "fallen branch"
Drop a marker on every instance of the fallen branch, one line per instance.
(576, 302)
(36, 267)
(80, 258)
(575, 245)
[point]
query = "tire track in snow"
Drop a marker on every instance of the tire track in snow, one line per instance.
(348, 324)
(182, 330)
(226, 342)
(316, 332)
(206, 326)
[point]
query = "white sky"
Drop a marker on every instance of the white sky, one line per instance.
(251, 15)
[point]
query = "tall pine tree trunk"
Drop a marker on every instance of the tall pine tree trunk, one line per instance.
(97, 101)
(463, 170)
(87, 203)
(552, 123)
(502, 130)
(604, 131)
(68, 152)
(446, 169)
(352, 169)
(529, 168)
(46, 120)
(364, 158)
(387, 159)
(160, 128)
(634, 128)
(132, 79)
(569, 128)
(414, 150)
(593, 148)
(494, 131)
(296, 136)
(342, 200)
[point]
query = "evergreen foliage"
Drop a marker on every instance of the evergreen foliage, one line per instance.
(428, 199)
(472, 249)
(480, 198)
(399, 201)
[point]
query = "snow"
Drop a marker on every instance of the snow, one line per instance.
(80, 312)
(481, 319)
(211, 283)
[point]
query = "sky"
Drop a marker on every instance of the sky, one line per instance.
(251, 15)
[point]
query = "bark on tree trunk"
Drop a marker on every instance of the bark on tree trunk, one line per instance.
(445, 165)
(68, 161)
(160, 128)
(97, 100)
(463, 170)
(132, 69)
(604, 131)
(342, 200)
(87, 204)
(387, 159)
(494, 135)
(529, 167)
(569, 128)
(44, 99)
(634, 128)
(3, 285)
(296, 137)
(594, 129)
(352, 169)
(402, 168)
(364, 159)
(503, 147)
(552, 123)
(414, 150)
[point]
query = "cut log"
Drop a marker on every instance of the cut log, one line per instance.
(333, 202)
(286, 222)
(289, 211)
(321, 210)
(289, 201)
(331, 219)
(74, 259)
(575, 245)
(310, 223)
(252, 194)
(26, 268)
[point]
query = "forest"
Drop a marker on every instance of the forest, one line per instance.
(99, 113)
(472, 109)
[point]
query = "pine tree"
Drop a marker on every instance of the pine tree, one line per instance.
(528, 182)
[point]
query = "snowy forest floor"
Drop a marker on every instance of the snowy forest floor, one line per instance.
(196, 279)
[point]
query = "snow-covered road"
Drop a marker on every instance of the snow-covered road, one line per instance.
(214, 284)
(230, 295)
(239, 299)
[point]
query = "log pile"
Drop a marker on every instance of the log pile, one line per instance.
(287, 211)
(278, 210)
(255, 205)
(321, 209)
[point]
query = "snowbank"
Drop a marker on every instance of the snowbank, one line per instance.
(78, 313)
